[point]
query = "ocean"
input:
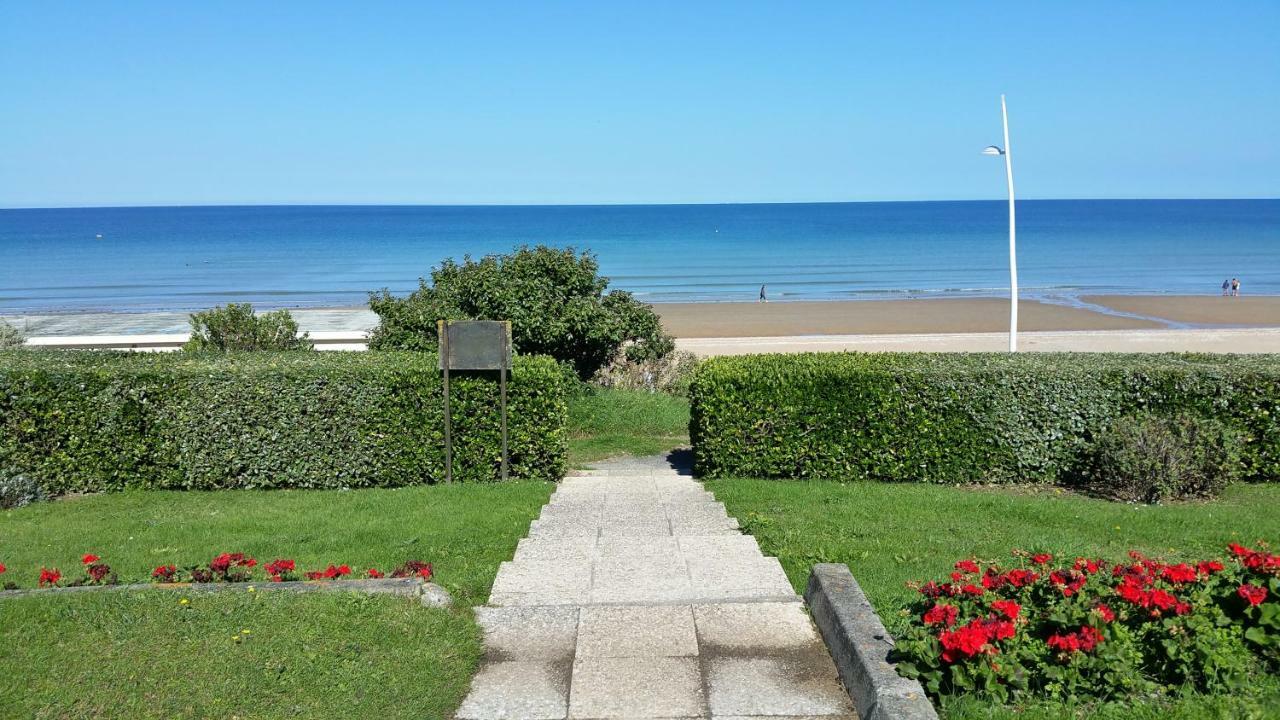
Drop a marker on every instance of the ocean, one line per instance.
(187, 258)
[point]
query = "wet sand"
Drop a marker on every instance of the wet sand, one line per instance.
(1204, 310)
(876, 317)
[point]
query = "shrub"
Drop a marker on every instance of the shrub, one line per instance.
(950, 418)
(1153, 458)
(1090, 630)
(85, 421)
(17, 490)
(10, 336)
(670, 373)
(236, 327)
(555, 300)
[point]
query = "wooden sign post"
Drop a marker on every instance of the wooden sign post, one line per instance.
(474, 345)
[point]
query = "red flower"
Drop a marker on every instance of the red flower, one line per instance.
(2, 568)
(968, 566)
(164, 573)
(966, 642)
(344, 570)
(375, 573)
(1019, 578)
(1083, 640)
(941, 614)
(1209, 567)
(1108, 615)
(1041, 558)
(1178, 574)
(1008, 608)
(89, 559)
(1068, 582)
(1087, 566)
(279, 568)
(1163, 600)
(1000, 629)
(49, 578)
(1253, 594)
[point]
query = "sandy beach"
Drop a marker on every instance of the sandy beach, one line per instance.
(875, 317)
(1203, 310)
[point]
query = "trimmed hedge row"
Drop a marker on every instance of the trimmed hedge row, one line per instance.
(948, 418)
(90, 421)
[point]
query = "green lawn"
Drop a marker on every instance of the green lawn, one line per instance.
(143, 654)
(889, 534)
(606, 423)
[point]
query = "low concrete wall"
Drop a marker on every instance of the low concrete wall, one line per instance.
(860, 645)
(429, 594)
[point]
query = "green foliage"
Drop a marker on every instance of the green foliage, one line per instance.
(1154, 458)
(10, 336)
(83, 421)
(948, 418)
(555, 300)
(17, 490)
(236, 327)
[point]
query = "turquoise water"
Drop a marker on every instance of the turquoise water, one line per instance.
(183, 258)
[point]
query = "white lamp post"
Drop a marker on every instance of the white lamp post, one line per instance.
(1013, 251)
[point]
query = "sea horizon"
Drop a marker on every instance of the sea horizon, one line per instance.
(188, 257)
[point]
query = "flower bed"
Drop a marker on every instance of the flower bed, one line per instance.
(1090, 629)
(224, 568)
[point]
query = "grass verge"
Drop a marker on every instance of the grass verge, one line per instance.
(607, 422)
(889, 534)
(144, 654)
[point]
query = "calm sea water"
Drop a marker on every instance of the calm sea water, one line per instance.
(182, 258)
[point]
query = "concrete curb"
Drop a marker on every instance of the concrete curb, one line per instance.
(860, 646)
(429, 594)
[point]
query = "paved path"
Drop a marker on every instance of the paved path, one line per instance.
(635, 596)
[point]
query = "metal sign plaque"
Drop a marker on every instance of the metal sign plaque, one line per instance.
(475, 345)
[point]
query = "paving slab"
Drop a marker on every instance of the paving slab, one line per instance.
(637, 631)
(641, 687)
(754, 628)
(518, 691)
(515, 633)
(776, 686)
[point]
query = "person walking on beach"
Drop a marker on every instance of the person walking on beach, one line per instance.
(763, 297)
(1226, 287)
(1235, 287)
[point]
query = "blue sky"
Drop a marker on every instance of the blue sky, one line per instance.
(143, 103)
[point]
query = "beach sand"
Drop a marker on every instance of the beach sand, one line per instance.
(875, 317)
(1206, 310)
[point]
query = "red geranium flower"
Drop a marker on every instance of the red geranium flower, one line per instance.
(375, 573)
(1041, 558)
(2, 568)
(941, 614)
(1008, 608)
(1252, 594)
(967, 566)
(89, 559)
(1209, 567)
(1180, 573)
(965, 642)
(1108, 615)
(49, 578)
(164, 573)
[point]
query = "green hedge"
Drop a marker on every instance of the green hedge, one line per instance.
(88, 421)
(946, 418)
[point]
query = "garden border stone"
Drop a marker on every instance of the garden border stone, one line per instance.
(429, 594)
(860, 646)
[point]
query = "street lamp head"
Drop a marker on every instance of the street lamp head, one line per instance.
(992, 150)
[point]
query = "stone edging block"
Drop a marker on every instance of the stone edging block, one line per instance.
(860, 646)
(429, 594)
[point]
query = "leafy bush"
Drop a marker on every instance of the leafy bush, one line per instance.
(17, 490)
(671, 373)
(236, 327)
(84, 421)
(10, 336)
(1091, 630)
(952, 418)
(1153, 458)
(555, 300)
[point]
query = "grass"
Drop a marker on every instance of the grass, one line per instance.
(464, 530)
(889, 534)
(142, 655)
(606, 423)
